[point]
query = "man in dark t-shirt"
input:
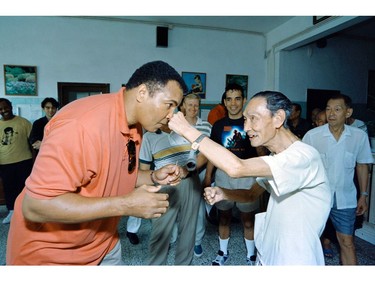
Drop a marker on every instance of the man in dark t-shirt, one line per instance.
(229, 132)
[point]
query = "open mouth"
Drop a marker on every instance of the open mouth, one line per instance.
(252, 136)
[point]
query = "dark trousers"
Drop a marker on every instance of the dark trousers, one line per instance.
(14, 176)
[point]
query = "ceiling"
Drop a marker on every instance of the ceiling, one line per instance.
(259, 25)
(249, 24)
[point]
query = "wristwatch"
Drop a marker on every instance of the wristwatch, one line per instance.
(195, 144)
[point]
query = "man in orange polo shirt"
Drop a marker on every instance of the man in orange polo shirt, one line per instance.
(84, 178)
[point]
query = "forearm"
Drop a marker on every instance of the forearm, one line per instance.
(221, 157)
(225, 160)
(144, 177)
(72, 208)
(362, 176)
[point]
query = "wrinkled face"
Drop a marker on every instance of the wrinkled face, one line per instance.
(337, 112)
(191, 107)
(259, 123)
(234, 103)
(49, 110)
(158, 109)
(6, 111)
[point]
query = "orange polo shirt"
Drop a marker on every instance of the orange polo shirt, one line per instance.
(83, 151)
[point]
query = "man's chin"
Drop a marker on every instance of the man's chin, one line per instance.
(155, 128)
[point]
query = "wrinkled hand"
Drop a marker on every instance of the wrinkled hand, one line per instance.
(361, 206)
(178, 122)
(168, 175)
(146, 203)
(213, 194)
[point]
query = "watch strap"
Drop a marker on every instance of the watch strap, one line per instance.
(195, 144)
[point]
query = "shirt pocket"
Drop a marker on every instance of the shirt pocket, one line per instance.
(349, 161)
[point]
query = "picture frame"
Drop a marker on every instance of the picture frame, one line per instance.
(20, 80)
(196, 83)
(242, 80)
(317, 19)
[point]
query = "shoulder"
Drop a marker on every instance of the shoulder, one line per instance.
(40, 120)
(355, 131)
(22, 120)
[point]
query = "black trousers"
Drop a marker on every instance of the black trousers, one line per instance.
(14, 176)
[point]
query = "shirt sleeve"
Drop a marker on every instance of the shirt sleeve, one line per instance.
(295, 168)
(66, 163)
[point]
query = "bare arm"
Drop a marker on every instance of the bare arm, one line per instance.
(221, 157)
(73, 208)
(363, 177)
(210, 168)
(215, 194)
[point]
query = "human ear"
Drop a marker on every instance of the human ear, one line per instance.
(279, 118)
(142, 93)
(349, 112)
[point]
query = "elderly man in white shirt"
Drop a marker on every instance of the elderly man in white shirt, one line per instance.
(343, 149)
(300, 198)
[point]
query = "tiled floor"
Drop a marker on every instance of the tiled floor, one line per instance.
(136, 254)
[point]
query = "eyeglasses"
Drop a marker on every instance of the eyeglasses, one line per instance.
(132, 155)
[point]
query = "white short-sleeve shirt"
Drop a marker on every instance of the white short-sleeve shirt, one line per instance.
(340, 159)
(298, 208)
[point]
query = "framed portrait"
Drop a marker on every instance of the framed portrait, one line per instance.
(196, 83)
(20, 80)
(241, 80)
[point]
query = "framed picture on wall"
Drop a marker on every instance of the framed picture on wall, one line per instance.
(20, 80)
(241, 80)
(196, 83)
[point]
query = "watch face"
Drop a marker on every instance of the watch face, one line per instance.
(195, 146)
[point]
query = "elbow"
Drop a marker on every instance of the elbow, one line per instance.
(29, 213)
(234, 170)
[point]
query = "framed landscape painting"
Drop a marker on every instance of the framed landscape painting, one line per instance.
(241, 80)
(20, 80)
(196, 83)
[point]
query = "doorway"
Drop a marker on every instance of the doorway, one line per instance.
(68, 91)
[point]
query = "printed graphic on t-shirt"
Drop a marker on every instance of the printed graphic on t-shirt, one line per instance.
(8, 136)
(233, 137)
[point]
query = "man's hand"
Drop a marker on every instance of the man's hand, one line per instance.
(361, 206)
(178, 123)
(168, 175)
(213, 195)
(36, 145)
(145, 202)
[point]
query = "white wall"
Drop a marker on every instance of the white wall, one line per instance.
(296, 64)
(68, 49)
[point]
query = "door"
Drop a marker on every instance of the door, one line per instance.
(68, 91)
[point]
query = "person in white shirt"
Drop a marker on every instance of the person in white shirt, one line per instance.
(344, 149)
(288, 233)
